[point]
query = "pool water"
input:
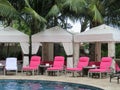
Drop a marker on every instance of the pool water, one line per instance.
(42, 85)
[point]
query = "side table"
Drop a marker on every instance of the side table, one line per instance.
(86, 69)
(42, 68)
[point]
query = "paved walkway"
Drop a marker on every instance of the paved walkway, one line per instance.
(102, 83)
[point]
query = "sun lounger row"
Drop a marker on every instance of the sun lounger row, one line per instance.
(58, 66)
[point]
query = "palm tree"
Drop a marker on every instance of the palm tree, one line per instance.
(26, 15)
(55, 15)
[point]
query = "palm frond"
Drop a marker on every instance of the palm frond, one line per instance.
(7, 10)
(34, 14)
(75, 5)
(54, 11)
(97, 17)
(27, 3)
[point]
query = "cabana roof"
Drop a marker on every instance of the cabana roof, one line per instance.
(102, 33)
(10, 34)
(54, 34)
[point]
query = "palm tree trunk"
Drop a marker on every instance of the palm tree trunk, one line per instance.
(92, 45)
(92, 51)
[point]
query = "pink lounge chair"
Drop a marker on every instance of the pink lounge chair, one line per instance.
(83, 62)
(58, 65)
(105, 65)
(34, 64)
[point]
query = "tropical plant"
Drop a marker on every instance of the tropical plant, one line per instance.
(26, 15)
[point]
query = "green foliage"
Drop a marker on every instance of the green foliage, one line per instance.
(104, 50)
(7, 10)
(21, 26)
(34, 14)
(97, 17)
(54, 11)
(8, 50)
(117, 50)
(75, 5)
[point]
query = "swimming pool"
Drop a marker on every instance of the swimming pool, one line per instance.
(42, 85)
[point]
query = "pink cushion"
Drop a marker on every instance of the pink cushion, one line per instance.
(104, 65)
(97, 70)
(58, 63)
(34, 63)
(74, 69)
(29, 68)
(83, 61)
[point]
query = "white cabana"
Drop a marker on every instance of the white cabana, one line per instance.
(55, 35)
(100, 34)
(10, 34)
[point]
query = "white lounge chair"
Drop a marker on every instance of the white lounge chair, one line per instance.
(10, 65)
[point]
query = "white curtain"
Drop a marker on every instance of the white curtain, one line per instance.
(25, 49)
(69, 51)
(111, 53)
(35, 47)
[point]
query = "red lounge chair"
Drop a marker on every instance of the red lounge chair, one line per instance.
(34, 64)
(58, 65)
(105, 65)
(83, 62)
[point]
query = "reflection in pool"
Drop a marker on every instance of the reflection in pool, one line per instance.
(42, 85)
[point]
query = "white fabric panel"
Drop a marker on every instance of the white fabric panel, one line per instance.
(68, 48)
(111, 53)
(25, 49)
(69, 62)
(25, 61)
(69, 51)
(35, 47)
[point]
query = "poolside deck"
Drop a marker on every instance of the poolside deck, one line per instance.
(101, 83)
